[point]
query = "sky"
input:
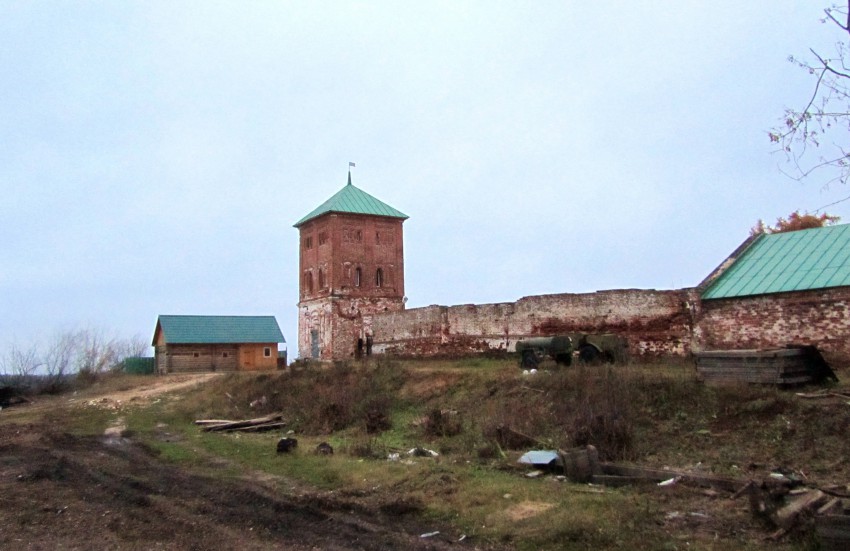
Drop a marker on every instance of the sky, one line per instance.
(154, 155)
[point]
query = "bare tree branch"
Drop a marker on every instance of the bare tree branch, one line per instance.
(20, 362)
(827, 67)
(806, 136)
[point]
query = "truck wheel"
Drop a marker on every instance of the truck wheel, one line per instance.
(529, 360)
(588, 354)
(564, 359)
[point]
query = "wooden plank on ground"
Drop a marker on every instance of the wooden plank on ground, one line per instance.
(833, 532)
(245, 423)
(658, 475)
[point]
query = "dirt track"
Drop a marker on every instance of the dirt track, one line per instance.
(60, 491)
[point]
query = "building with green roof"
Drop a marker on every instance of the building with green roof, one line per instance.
(352, 200)
(804, 260)
(351, 266)
(216, 343)
(781, 289)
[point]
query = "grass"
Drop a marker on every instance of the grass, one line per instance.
(656, 415)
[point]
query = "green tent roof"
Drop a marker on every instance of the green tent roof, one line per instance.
(219, 329)
(353, 200)
(793, 261)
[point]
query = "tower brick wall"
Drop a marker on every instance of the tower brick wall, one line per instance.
(351, 266)
(351, 303)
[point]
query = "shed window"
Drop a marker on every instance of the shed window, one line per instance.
(267, 352)
(197, 355)
(379, 278)
(224, 354)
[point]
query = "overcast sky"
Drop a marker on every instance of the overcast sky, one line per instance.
(154, 155)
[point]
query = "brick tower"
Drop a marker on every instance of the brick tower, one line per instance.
(351, 266)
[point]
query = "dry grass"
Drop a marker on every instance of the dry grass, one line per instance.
(656, 415)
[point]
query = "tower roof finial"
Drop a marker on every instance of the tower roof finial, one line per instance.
(350, 164)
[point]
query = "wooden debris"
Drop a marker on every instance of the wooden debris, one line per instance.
(744, 489)
(792, 365)
(833, 531)
(512, 439)
(269, 422)
(831, 507)
(779, 499)
(837, 491)
(658, 475)
(581, 464)
(787, 516)
(615, 481)
(821, 394)
(259, 428)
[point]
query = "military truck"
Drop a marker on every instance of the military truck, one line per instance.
(535, 351)
(541, 352)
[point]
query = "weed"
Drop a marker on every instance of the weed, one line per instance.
(442, 423)
(480, 416)
(366, 448)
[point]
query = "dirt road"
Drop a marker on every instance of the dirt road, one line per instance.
(61, 491)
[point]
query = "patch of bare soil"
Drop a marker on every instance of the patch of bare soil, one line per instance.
(60, 491)
(110, 396)
(157, 386)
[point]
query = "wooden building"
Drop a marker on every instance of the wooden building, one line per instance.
(185, 344)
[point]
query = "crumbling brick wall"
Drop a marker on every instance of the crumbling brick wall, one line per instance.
(654, 323)
(820, 318)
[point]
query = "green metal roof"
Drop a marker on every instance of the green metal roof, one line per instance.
(353, 200)
(218, 329)
(793, 261)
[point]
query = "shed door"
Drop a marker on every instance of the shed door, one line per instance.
(314, 344)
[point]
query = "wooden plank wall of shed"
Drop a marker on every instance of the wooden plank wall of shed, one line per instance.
(252, 357)
(202, 357)
(161, 358)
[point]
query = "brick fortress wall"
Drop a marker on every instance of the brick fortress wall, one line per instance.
(654, 323)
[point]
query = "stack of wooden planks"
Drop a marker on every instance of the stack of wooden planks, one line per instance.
(832, 526)
(781, 366)
(258, 424)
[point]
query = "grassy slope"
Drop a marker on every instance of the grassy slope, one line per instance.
(653, 415)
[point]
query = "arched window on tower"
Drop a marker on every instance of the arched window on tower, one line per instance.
(379, 278)
(321, 279)
(308, 282)
(358, 276)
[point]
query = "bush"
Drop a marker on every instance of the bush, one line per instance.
(317, 400)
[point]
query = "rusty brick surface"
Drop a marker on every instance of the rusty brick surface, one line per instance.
(340, 256)
(345, 312)
(820, 318)
(653, 322)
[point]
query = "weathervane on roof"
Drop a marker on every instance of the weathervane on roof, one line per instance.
(350, 165)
